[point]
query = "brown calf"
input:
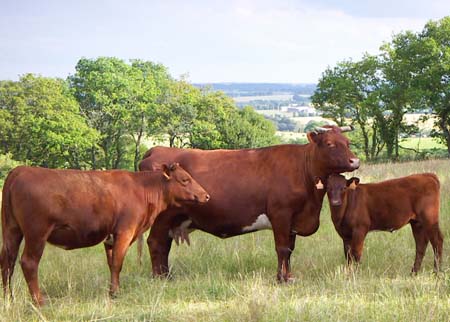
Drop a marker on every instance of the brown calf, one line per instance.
(75, 209)
(357, 209)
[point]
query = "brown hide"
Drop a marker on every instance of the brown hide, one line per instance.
(357, 209)
(252, 189)
(74, 209)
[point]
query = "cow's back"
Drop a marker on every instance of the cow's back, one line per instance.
(395, 202)
(241, 183)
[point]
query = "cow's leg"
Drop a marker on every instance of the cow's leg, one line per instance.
(283, 243)
(108, 251)
(347, 250)
(12, 239)
(122, 242)
(357, 244)
(421, 240)
(292, 238)
(436, 239)
(32, 253)
(159, 243)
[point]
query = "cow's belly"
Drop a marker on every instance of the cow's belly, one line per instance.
(229, 227)
(69, 238)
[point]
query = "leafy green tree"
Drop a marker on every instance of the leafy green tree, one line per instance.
(248, 129)
(179, 112)
(107, 90)
(351, 91)
(214, 109)
(428, 57)
(152, 82)
(43, 124)
(398, 93)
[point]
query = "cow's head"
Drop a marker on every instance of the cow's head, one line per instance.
(332, 153)
(337, 188)
(181, 187)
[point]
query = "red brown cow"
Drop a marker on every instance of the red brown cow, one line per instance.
(357, 209)
(74, 209)
(252, 189)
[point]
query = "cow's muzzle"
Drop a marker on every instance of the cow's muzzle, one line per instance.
(354, 163)
(202, 199)
(335, 202)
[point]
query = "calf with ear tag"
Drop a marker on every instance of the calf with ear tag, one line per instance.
(353, 183)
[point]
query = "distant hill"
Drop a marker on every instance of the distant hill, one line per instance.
(259, 89)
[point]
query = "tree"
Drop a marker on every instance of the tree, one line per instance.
(179, 112)
(351, 91)
(398, 93)
(152, 82)
(247, 129)
(429, 60)
(42, 123)
(107, 90)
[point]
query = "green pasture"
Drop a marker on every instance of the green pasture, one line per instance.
(234, 279)
(422, 143)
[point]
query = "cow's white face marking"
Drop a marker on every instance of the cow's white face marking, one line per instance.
(262, 222)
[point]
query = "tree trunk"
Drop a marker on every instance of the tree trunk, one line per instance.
(137, 155)
(445, 131)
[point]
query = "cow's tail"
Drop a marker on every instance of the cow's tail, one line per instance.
(11, 236)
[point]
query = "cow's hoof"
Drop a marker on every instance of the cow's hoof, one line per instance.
(40, 300)
(164, 276)
(285, 279)
(291, 280)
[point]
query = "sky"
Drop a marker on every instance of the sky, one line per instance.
(210, 41)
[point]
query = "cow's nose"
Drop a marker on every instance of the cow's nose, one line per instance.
(335, 202)
(354, 162)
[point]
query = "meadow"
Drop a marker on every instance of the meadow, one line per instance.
(234, 279)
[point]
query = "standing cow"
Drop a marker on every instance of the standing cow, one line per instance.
(252, 189)
(357, 209)
(74, 209)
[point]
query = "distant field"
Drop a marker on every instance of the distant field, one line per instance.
(234, 279)
(422, 143)
(277, 97)
(286, 136)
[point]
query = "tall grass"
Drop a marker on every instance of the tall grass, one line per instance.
(234, 279)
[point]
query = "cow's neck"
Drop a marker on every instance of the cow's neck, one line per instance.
(155, 195)
(312, 170)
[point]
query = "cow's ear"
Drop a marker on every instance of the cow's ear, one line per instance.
(313, 137)
(319, 183)
(166, 171)
(352, 183)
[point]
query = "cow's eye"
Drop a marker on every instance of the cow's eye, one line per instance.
(185, 181)
(331, 145)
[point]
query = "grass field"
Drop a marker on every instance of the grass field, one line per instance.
(234, 279)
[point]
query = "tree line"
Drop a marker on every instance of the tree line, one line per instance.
(411, 74)
(103, 115)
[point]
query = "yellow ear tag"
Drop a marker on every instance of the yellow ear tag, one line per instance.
(352, 185)
(319, 185)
